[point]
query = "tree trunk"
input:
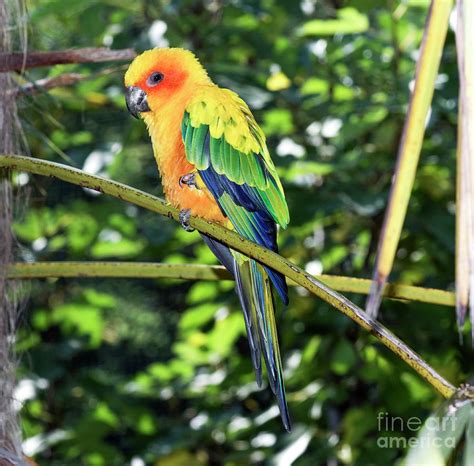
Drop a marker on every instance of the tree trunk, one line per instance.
(10, 434)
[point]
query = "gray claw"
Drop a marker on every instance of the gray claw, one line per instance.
(189, 180)
(184, 216)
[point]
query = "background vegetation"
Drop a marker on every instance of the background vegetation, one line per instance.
(147, 372)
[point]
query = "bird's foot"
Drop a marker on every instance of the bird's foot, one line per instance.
(189, 180)
(184, 219)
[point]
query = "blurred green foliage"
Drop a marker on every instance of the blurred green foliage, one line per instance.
(145, 372)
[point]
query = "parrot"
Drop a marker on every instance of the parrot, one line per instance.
(214, 164)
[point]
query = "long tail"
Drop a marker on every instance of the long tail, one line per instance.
(255, 294)
(254, 289)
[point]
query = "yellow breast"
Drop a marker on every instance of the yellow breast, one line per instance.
(169, 152)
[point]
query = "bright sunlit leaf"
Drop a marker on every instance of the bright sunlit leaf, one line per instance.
(349, 21)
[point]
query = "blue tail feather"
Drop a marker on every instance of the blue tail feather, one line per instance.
(250, 323)
(264, 309)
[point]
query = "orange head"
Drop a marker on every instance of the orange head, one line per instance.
(159, 77)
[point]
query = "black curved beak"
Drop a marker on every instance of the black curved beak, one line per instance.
(136, 101)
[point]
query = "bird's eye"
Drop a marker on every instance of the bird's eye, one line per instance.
(154, 79)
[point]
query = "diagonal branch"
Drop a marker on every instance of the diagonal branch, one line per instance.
(238, 243)
(112, 269)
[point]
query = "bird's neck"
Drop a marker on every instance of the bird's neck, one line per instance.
(165, 133)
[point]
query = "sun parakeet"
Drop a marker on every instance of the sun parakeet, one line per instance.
(214, 164)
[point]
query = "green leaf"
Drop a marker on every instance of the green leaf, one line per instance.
(315, 86)
(104, 414)
(277, 121)
(195, 317)
(146, 424)
(121, 248)
(201, 292)
(102, 300)
(222, 338)
(83, 319)
(349, 21)
(343, 358)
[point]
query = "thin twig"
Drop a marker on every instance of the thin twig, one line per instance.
(66, 79)
(19, 61)
(238, 243)
(84, 269)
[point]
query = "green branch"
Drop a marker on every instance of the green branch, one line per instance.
(210, 272)
(236, 242)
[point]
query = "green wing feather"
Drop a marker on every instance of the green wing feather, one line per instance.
(237, 147)
(227, 147)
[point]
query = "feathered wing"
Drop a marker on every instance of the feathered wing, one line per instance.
(227, 147)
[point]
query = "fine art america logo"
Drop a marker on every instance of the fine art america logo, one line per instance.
(441, 430)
